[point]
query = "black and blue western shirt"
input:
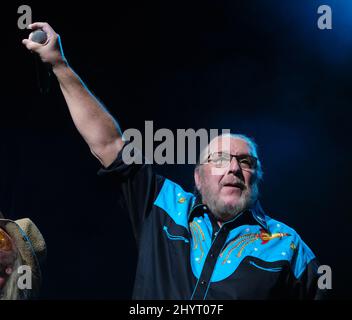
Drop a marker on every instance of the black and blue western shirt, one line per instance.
(184, 254)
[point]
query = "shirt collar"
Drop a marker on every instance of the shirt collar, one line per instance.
(256, 212)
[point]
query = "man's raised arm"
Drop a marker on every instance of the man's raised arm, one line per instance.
(93, 121)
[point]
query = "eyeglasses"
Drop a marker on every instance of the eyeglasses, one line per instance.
(223, 160)
(5, 241)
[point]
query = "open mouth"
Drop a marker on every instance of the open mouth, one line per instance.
(234, 185)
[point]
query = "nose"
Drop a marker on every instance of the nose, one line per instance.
(234, 166)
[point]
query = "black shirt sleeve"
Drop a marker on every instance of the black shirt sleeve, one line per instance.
(139, 186)
(306, 284)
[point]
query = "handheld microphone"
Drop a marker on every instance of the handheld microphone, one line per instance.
(39, 36)
(43, 72)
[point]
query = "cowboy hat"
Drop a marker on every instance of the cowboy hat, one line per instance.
(30, 245)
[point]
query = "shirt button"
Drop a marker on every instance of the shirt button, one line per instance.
(203, 282)
(211, 255)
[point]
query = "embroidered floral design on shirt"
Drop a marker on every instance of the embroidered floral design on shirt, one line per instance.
(244, 240)
(198, 238)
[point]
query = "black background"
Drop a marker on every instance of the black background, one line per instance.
(262, 68)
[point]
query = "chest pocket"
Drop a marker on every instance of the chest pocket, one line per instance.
(259, 279)
(266, 268)
(173, 237)
(177, 240)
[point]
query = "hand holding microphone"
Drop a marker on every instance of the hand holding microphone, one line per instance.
(46, 43)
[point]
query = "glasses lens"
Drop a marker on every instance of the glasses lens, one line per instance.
(247, 162)
(220, 159)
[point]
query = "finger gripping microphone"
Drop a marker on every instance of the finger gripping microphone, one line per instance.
(39, 36)
(43, 71)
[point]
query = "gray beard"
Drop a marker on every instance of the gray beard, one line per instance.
(223, 211)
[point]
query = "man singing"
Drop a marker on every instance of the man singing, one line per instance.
(215, 244)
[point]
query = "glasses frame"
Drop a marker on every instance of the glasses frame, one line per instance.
(238, 157)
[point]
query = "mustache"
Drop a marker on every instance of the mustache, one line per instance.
(233, 182)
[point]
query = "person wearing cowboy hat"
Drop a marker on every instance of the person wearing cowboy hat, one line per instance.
(22, 252)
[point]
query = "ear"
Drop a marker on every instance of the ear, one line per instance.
(197, 178)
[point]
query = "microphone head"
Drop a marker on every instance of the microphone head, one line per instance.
(39, 36)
